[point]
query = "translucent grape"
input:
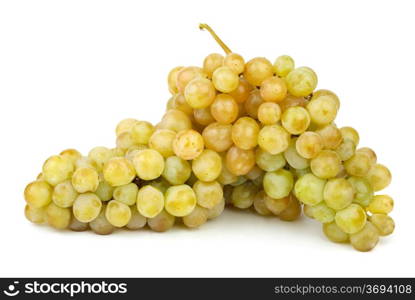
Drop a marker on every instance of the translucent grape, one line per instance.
(137, 220)
(253, 103)
(309, 144)
(384, 224)
(301, 81)
(180, 200)
(327, 93)
(187, 74)
(125, 140)
(326, 164)
(278, 184)
(225, 79)
(218, 137)
(257, 70)
(75, 225)
(38, 194)
(331, 136)
(57, 169)
(162, 141)
(100, 156)
(260, 205)
(334, 233)
(366, 239)
(208, 194)
(217, 210)
(172, 80)
(104, 191)
(283, 65)
(363, 190)
(254, 173)
(203, 116)
(381, 204)
(224, 109)
(293, 210)
(269, 162)
(346, 149)
(276, 206)
(35, 214)
(351, 219)
(188, 144)
(126, 194)
(379, 177)
(338, 193)
(71, 154)
(291, 101)
(274, 139)
(309, 189)
(358, 164)
(150, 201)
(175, 120)
(196, 218)
(149, 164)
(86, 207)
(322, 213)
(58, 217)
(176, 170)
(125, 126)
(369, 152)
(226, 177)
(141, 132)
(85, 180)
(245, 133)
(294, 159)
(212, 62)
(162, 222)
(119, 171)
(243, 195)
(200, 93)
(239, 161)
(235, 62)
(273, 89)
(351, 134)
(117, 213)
(241, 93)
(322, 109)
(64, 194)
(100, 224)
(269, 113)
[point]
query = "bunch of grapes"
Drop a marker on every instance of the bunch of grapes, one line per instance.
(253, 135)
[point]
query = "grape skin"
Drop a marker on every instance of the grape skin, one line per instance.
(338, 193)
(274, 139)
(86, 207)
(117, 213)
(118, 171)
(239, 161)
(38, 194)
(309, 189)
(278, 184)
(379, 177)
(283, 65)
(150, 201)
(207, 166)
(366, 239)
(180, 200)
(351, 219)
(58, 217)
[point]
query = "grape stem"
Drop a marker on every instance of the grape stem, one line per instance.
(215, 36)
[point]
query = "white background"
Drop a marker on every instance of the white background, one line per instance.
(70, 70)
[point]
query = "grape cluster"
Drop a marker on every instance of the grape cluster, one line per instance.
(253, 135)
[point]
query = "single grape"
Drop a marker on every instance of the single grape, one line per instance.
(86, 207)
(172, 80)
(351, 219)
(274, 139)
(338, 193)
(369, 152)
(351, 134)
(188, 144)
(218, 137)
(226, 177)
(100, 224)
(176, 170)
(384, 224)
(257, 70)
(346, 149)
(100, 156)
(334, 233)
(379, 177)
(332, 95)
(235, 62)
(363, 190)
(118, 213)
(38, 194)
(217, 210)
(58, 217)
(162, 141)
(180, 200)
(278, 184)
(358, 165)
(239, 161)
(309, 189)
(125, 140)
(119, 171)
(64, 194)
(77, 226)
(309, 144)
(162, 222)
(141, 132)
(104, 191)
(175, 120)
(295, 120)
(196, 218)
(326, 164)
(243, 195)
(291, 101)
(293, 210)
(203, 116)
(187, 74)
(125, 126)
(276, 206)
(255, 173)
(269, 113)
(301, 81)
(241, 93)
(57, 169)
(126, 194)
(212, 62)
(366, 239)
(245, 133)
(207, 166)
(225, 79)
(137, 220)
(283, 65)
(322, 213)
(330, 135)
(71, 154)
(150, 201)
(179, 103)
(294, 159)
(149, 164)
(273, 89)
(224, 109)
(200, 93)
(269, 162)
(381, 204)
(85, 180)
(253, 103)
(260, 204)
(208, 194)
(35, 215)
(322, 109)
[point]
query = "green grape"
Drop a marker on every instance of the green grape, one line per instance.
(334, 233)
(351, 134)
(293, 210)
(119, 171)
(241, 93)
(175, 120)
(283, 65)
(196, 218)
(309, 144)
(38, 194)
(116, 152)
(322, 213)
(255, 173)
(217, 210)
(225, 79)
(161, 184)
(243, 195)
(294, 159)
(235, 62)
(172, 80)
(104, 191)
(379, 177)
(71, 154)
(149, 164)
(260, 204)
(57, 169)
(35, 214)
(326, 164)
(366, 239)
(117, 213)
(99, 156)
(224, 109)
(338, 193)
(322, 109)
(208, 194)
(351, 219)
(358, 164)
(176, 170)
(239, 161)
(257, 70)
(369, 152)
(218, 137)
(309, 189)
(162, 141)
(383, 223)
(301, 81)
(85, 180)
(239, 181)
(125, 126)
(308, 211)
(226, 177)
(207, 166)
(137, 220)
(162, 222)
(188, 144)
(86, 162)
(295, 119)
(269, 113)
(245, 133)
(141, 132)
(274, 139)
(273, 89)
(100, 224)
(150, 201)
(276, 206)
(64, 194)
(330, 135)
(363, 190)
(125, 140)
(126, 194)
(381, 204)
(346, 149)
(86, 207)
(278, 184)
(203, 116)
(269, 162)
(200, 92)
(325, 93)
(179, 103)
(212, 62)
(253, 103)
(75, 225)
(58, 217)
(187, 74)
(180, 200)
